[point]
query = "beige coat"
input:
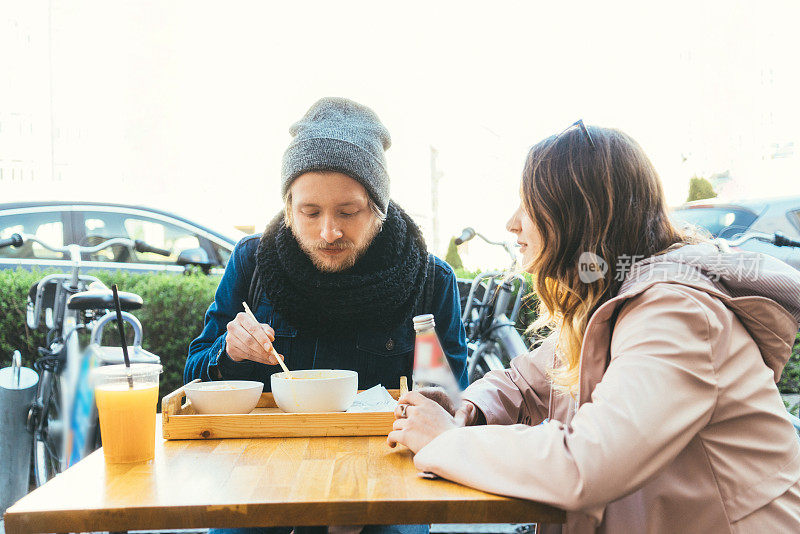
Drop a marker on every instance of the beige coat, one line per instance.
(678, 426)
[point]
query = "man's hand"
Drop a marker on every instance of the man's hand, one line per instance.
(466, 415)
(250, 340)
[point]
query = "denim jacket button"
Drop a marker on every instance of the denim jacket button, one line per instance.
(390, 344)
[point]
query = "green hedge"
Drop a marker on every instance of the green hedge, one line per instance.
(171, 317)
(790, 380)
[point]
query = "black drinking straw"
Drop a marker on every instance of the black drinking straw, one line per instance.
(121, 326)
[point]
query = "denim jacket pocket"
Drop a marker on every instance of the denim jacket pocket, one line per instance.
(397, 342)
(284, 333)
(284, 337)
(385, 356)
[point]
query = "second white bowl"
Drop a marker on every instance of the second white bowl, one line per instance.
(315, 390)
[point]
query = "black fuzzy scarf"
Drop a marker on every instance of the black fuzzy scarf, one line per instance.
(379, 291)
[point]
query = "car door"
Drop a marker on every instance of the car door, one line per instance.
(48, 223)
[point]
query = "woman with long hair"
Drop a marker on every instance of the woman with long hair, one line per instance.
(651, 406)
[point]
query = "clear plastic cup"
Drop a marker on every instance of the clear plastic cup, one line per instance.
(127, 414)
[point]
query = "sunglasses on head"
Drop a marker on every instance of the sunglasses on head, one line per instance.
(584, 129)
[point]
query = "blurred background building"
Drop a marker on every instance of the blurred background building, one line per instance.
(186, 105)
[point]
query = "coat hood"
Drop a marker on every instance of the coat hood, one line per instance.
(761, 290)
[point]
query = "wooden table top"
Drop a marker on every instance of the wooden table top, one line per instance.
(259, 482)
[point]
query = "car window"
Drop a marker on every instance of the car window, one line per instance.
(104, 225)
(794, 217)
(100, 226)
(719, 221)
(47, 226)
(161, 235)
(223, 253)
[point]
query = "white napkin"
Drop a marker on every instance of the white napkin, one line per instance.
(374, 399)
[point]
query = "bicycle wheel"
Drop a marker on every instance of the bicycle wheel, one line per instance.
(48, 435)
(489, 358)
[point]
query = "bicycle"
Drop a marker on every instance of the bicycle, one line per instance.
(63, 418)
(490, 309)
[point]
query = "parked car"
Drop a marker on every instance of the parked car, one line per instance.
(89, 223)
(729, 219)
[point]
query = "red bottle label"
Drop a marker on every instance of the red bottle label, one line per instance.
(428, 353)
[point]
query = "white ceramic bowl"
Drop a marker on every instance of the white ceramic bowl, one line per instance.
(315, 390)
(224, 396)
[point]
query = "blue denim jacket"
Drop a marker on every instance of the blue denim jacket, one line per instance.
(379, 357)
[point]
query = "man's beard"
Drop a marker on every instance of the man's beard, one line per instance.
(353, 253)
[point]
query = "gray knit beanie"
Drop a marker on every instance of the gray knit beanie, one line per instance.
(340, 135)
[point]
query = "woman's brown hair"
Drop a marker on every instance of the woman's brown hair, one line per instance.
(594, 197)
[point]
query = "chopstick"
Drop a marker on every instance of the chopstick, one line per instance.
(274, 353)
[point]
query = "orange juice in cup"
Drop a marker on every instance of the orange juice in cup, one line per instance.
(127, 414)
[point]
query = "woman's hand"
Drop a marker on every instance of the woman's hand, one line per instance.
(469, 415)
(439, 396)
(419, 420)
(466, 415)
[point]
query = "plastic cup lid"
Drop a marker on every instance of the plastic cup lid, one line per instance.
(27, 378)
(138, 370)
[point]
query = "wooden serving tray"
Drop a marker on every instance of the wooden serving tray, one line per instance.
(181, 421)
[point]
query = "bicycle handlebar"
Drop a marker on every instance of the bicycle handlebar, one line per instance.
(469, 232)
(777, 239)
(466, 234)
(141, 246)
(783, 241)
(17, 240)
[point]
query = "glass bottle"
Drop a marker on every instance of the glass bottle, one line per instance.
(431, 368)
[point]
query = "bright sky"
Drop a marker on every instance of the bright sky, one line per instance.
(186, 105)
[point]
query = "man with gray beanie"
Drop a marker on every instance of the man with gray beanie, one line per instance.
(336, 277)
